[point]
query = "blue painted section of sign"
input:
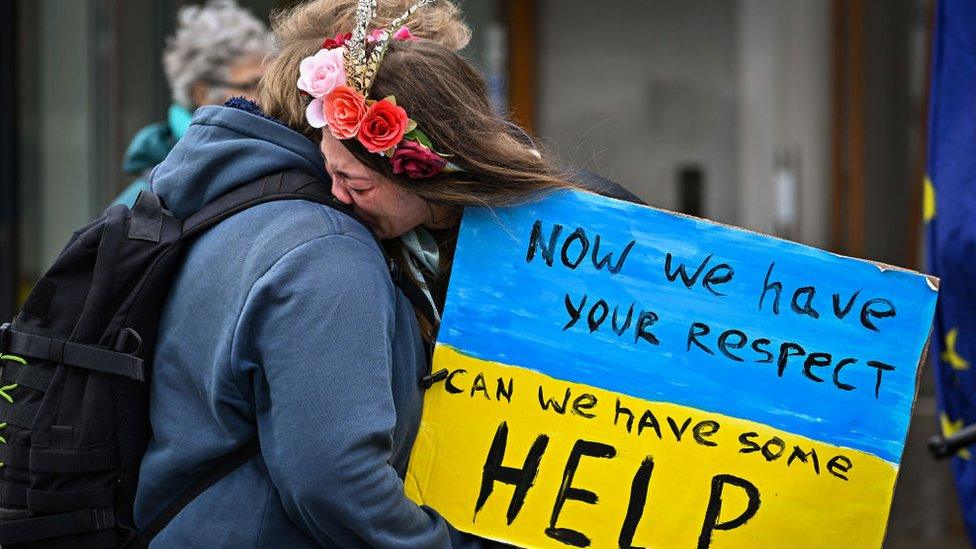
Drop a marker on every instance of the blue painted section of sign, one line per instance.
(504, 307)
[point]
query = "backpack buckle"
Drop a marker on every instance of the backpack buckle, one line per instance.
(395, 272)
(129, 342)
(4, 337)
(430, 379)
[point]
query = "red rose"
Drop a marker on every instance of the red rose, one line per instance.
(383, 126)
(344, 109)
(416, 160)
(339, 40)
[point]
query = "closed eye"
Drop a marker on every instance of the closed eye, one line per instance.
(347, 177)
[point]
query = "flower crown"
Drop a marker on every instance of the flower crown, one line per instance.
(339, 77)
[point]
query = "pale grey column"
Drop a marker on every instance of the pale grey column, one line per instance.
(783, 61)
(61, 128)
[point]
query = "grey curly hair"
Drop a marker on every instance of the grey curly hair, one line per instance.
(209, 39)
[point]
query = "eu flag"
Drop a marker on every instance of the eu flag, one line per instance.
(950, 215)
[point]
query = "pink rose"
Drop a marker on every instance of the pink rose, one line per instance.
(322, 73)
(416, 160)
(315, 114)
(383, 126)
(403, 34)
(344, 110)
(375, 35)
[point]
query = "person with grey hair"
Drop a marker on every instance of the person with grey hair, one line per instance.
(217, 52)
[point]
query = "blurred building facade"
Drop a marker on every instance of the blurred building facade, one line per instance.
(800, 118)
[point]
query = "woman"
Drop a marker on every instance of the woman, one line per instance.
(282, 324)
(217, 52)
(460, 154)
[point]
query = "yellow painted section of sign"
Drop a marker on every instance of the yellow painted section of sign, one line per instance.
(799, 505)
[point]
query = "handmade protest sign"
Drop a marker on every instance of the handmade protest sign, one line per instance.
(615, 375)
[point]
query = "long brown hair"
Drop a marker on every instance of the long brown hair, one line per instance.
(448, 99)
(300, 30)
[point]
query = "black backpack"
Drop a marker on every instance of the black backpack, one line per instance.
(74, 396)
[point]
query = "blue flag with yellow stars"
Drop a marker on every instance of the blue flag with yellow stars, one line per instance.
(950, 215)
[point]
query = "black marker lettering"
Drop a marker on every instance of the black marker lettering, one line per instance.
(698, 329)
(714, 509)
(568, 492)
(577, 235)
(635, 508)
(688, 281)
(807, 307)
(776, 286)
(574, 311)
(535, 240)
(522, 478)
(599, 264)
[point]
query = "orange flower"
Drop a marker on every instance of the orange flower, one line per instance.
(344, 110)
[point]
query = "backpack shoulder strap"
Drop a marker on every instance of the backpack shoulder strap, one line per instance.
(226, 466)
(287, 185)
(296, 185)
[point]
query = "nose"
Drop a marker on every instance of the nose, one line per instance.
(341, 193)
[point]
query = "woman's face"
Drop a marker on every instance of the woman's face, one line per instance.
(241, 79)
(386, 207)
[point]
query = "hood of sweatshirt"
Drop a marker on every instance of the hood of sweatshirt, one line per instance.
(224, 148)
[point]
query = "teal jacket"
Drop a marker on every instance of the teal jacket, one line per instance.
(149, 147)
